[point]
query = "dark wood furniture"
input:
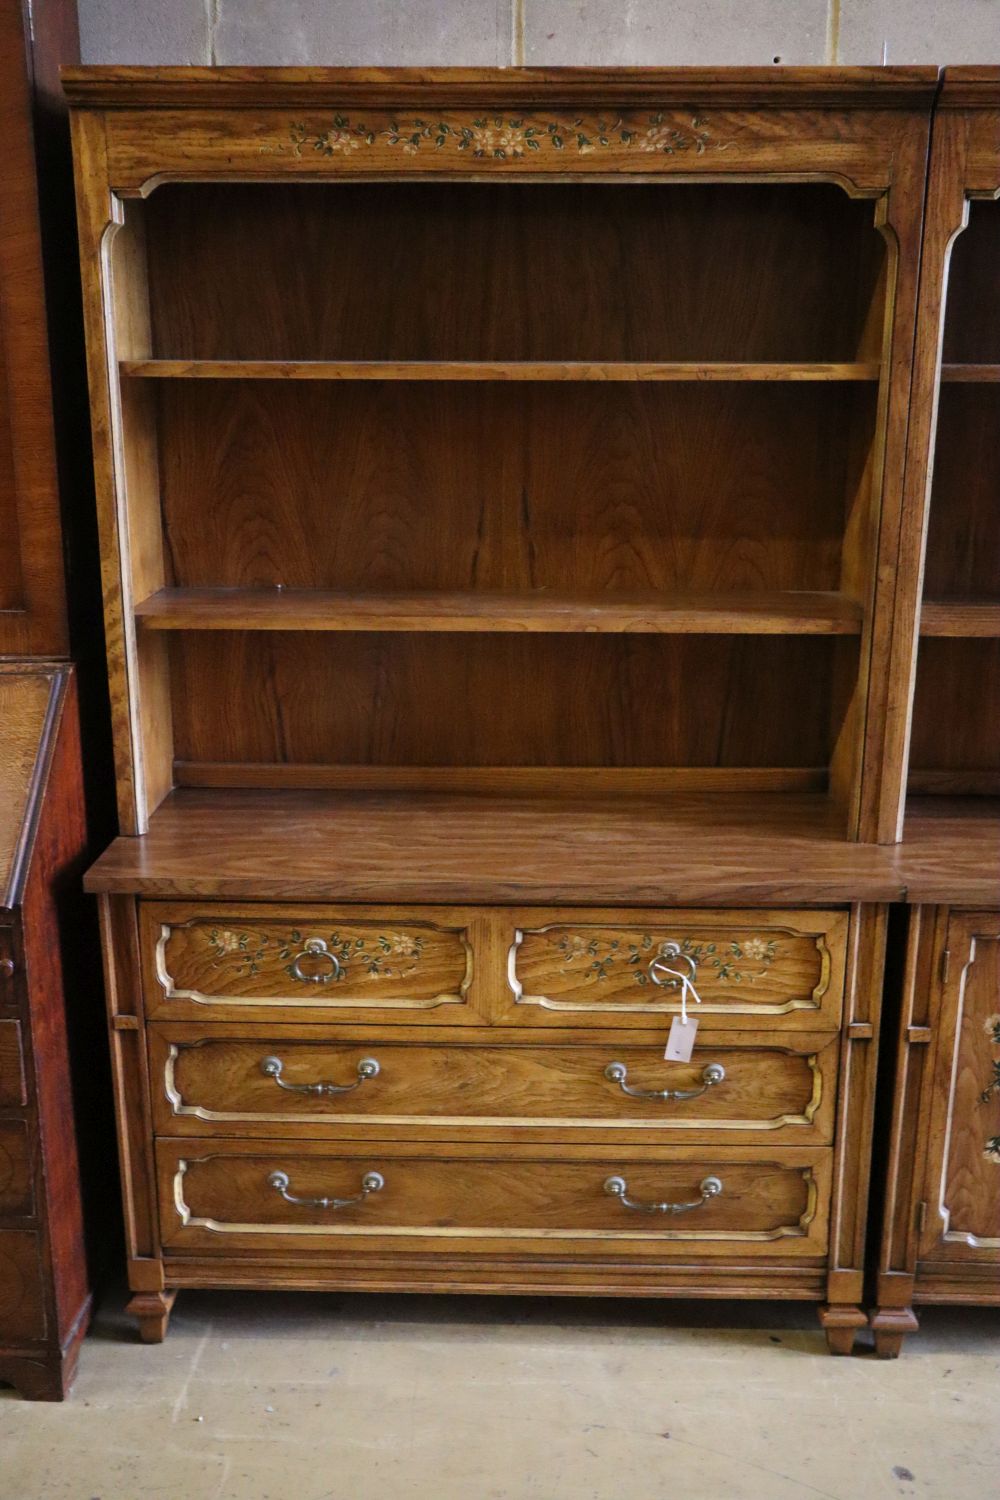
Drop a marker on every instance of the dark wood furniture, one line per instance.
(941, 1229)
(500, 483)
(44, 1296)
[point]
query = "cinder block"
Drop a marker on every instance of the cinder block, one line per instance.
(653, 32)
(144, 31)
(919, 31)
(362, 32)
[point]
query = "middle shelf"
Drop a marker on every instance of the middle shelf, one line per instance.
(773, 612)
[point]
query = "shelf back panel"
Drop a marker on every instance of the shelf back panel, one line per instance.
(383, 486)
(423, 700)
(514, 271)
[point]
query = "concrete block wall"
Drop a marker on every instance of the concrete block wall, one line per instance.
(540, 32)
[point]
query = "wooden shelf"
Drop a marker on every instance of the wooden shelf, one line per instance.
(764, 613)
(549, 370)
(960, 618)
(970, 374)
(671, 850)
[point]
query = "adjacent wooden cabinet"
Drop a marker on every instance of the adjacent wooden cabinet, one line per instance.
(941, 1230)
(44, 1294)
(505, 499)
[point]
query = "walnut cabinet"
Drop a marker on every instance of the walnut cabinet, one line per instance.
(502, 481)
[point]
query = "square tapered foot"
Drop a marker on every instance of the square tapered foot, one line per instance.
(151, 1311)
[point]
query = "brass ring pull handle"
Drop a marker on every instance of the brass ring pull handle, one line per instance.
(711, 1074)
(368, 1067)
(617, 1187)
(317, 948)
(667, 976)
(371, 1182)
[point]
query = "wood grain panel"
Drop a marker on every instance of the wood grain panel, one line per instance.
(463, 1200)
(209, 1083)
(782, 968)
(13, 1088)
(506, 700)
(562, 271)
(964, 1169)
(955, 707)
(22, 1295)
(384, 486)
(318, 962)
(963, 536)
(16, 1169)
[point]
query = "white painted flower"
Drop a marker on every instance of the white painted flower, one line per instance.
(755, 947)
(341, 140)
(484, 138)
(229, 942)
(992, 1151)
(992, 1024)
(512, 141)
(404, 945)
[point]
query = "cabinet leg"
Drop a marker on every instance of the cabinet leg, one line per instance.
(890, 1326)
(840, 1323)
(151, 1311)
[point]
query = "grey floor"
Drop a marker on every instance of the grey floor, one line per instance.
(297, 1397)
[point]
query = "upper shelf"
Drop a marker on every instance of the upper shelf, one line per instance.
(763, 613)
(539, 370)
(968, 374)
(963, 618)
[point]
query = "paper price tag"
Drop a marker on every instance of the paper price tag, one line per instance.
(680, 1042)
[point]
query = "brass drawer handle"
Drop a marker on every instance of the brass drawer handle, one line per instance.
(711, 1074)
(316, 947)
(371, 1182)
(617, 1187)
(665, 974)
(368, 1067)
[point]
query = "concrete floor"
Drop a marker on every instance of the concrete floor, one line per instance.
(289, 1397)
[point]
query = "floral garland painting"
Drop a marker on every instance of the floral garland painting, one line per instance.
(503, 137)
(991, 1149)
(731, 963)
(385, 955)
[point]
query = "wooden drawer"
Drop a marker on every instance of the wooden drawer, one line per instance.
(16, 1193)
(209, 1082)
(316, 962)
(750, 968)
(22, 1298)
(229, 1195)
(13, 1089)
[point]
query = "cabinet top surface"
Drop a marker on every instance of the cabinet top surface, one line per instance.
(199, 87)
(30, 696)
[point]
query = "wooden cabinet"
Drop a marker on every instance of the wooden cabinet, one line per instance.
(941, 1223)
(500, 483)
(44, 1296)
(941, 1232)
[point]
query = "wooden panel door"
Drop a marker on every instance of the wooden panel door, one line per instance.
(961, 1224)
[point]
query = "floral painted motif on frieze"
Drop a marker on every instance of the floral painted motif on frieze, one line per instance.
(730, 963)
(509, 137)
(390, 955)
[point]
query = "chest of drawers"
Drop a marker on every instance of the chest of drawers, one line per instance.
(438, 1097)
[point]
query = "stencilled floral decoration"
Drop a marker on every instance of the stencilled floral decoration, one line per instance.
(503, 137)
(733, 963)
(991, 1026)
(390, 955)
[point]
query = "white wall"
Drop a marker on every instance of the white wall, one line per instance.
(480, 32)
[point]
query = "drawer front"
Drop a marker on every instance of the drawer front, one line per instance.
(219, 1084)
(747, 968)
(13, 1088)
(279, 962)
(16, 1192)
(22, 1300)
(231, 1195)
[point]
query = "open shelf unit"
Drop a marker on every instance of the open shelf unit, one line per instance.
(955, 736)
(634, 459)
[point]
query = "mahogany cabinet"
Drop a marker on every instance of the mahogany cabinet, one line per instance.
(510, 557)
(44, 1294)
